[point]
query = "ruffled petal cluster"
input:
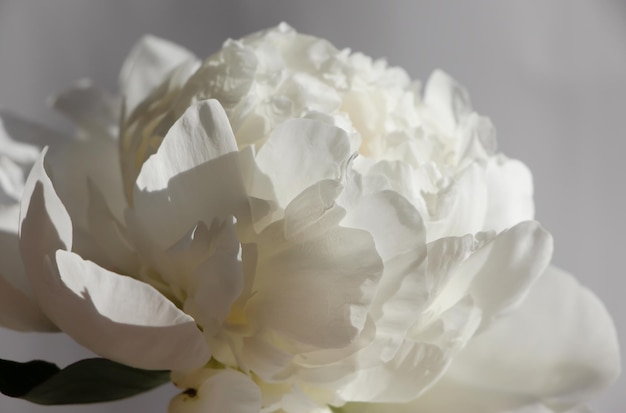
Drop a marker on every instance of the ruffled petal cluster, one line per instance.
(293, 228)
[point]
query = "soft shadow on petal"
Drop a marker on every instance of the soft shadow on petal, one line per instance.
(176, 186)
(45, 225)
(121, 318)
(314, 286)
(115, 316)
(109, 235)
(18, 310)
(560, 346)
(73, 165)
(222, 392)
(93, 109)
(147, 64)
(299, 153)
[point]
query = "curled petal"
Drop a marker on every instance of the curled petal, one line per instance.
(121, 318)
(115, 316)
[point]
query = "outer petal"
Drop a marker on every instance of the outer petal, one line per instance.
(18, 311)
(150, 60)
(554, 350)
(223, 391)
(73, 165)
(121, 318)
(447, 397)
(115, 316)
(109, 236)
(176, 186)
(45, 225)
(559, 346)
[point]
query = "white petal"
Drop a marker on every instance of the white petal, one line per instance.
(449, 397)
(476, 139)
(559, 346)
(399, 236)
(11, 181)
(109, 235)
(314, 286)
(19, 312)
(299, 153)
(223, 391)
(73, 165)
(217, 280)
(45, 225)
(119, 317)
(515, 260)
(115, 316)
(460, 208)
(177, 185)
(497, 271)
(448, 100)
(11, 263)
(44, 228)
(509, 193)
(417, 364)
(146, 66)
(10, 218)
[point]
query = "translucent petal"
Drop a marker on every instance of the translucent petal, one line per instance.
(147, 64)
(560, 345)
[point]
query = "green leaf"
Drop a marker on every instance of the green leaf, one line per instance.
(86, 381)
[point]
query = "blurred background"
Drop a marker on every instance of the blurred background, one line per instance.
(551, 75)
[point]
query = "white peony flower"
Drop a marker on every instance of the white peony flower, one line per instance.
(293, 228)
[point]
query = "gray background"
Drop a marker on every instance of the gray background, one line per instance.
(550, 74)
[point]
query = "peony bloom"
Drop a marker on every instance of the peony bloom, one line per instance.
(288, 227)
